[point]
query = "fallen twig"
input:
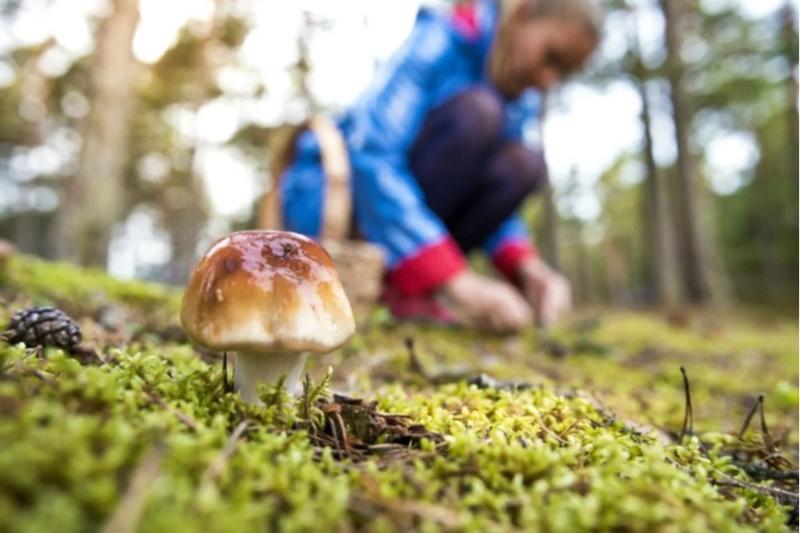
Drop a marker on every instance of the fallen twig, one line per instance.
(415, 365)
(154, 398)
(768, 443)
(128, 511)
(547, 429)
(758, 472)
(86, 353)
(779, 494)
(217, 466)
(354, 430)
(750, 416)
(688, 417)
(180, 415)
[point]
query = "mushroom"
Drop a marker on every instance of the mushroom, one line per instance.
(273, 297)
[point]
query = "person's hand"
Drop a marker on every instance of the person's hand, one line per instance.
(485, 303)
(548, 291)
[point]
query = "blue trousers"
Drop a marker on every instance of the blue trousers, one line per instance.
(472, 177)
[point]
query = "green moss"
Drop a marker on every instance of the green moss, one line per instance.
(149, 433)
(83, 289)
(628, 362)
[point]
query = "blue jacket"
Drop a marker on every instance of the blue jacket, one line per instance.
(444, 55)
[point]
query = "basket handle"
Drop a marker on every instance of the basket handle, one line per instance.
(337, 209)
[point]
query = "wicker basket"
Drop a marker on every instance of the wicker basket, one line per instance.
(359, 263)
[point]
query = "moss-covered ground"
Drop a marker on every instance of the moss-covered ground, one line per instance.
(575, 430)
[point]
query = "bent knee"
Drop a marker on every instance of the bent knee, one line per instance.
(480, 114)
(516, 165)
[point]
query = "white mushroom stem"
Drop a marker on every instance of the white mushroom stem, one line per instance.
(253, 369)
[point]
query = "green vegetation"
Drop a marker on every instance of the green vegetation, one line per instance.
(144, 437)
(83, 290)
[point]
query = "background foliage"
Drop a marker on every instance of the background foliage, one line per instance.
(737, 78)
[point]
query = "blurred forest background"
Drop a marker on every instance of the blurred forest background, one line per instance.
(134, 158)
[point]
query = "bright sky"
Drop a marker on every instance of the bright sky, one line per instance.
(583, 134)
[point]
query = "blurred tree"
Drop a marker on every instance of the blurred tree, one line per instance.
(789, 49)
(578, 259)
(660, 267)
(549, 235)
(704, 273)
(623, 248)
(182, 80)
(741, 85)
(94, 197)
(165, 172)
(24, 107)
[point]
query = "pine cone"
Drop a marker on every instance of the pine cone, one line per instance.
(43, 326)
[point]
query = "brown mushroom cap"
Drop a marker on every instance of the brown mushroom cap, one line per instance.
(264, 291)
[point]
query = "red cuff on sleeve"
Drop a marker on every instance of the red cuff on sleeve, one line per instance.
(431, 266)
(510, 254)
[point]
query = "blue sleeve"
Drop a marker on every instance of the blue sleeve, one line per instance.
(390, 207)
(512, 230)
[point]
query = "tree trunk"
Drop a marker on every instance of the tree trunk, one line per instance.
(661, 268)
(94, 198)
(187, 217)
(658, 221)
(617, 273)
(584, 279)
(549, 242)
(27, 230)
(185, 220)
(549, 233)
(790, 45)
(706, 280)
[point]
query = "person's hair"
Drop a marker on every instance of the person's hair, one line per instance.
(588, 12)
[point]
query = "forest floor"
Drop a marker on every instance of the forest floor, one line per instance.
(415, 428)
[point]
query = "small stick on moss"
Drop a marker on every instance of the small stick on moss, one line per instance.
(46, 378)
(547, 429)
(126, 516)
(217, 466)
(85, 354)
(688, 417)
(226, 385)
(750, 416)
(414, 363)
(154, 398)
(761, 473)
(768, 444)
(180, 415)
(100, 357)
(568, 428)
(334, 431)
(778, 494)
(342, 432)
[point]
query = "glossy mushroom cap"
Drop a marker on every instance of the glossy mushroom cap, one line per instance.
(267, 291)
